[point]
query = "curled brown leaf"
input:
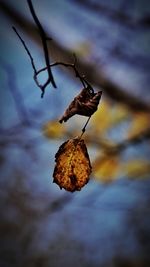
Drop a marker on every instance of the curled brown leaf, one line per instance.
(85, 104)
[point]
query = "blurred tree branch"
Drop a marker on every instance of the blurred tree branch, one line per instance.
(17, 97)
(95, 76)
(116, 15)
(120, 147)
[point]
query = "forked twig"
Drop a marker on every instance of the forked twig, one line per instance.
(31, 58)
(82, 78)
(45, 48)
(48, 67)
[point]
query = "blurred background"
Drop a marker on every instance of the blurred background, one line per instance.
(107, 223)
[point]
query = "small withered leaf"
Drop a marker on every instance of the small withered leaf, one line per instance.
(73, 165)
(84, 104)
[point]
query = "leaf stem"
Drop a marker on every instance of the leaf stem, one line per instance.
(84, 128)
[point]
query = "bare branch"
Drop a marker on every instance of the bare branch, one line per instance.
(96, 77)
(82, 78)
(45, 48)
(31, 58)
(26, 48)
(48, 65)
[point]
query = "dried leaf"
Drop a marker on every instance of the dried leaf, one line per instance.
(73, 166)
(85, 104)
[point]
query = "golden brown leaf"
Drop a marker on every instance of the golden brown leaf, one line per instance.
(73, 166)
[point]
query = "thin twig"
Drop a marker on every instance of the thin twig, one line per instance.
(95, 76)
(82, 78)
(84, 128)
(45, 48)
(37, 72)
(26, 48)
(35, 76)
(31, 58)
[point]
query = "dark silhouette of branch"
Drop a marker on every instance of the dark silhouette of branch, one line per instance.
(48, 65)
(35, 76)
(95, 76)
(26, 48)
(31, 58)
(82, 78)
(37, 72)
(45, 48)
